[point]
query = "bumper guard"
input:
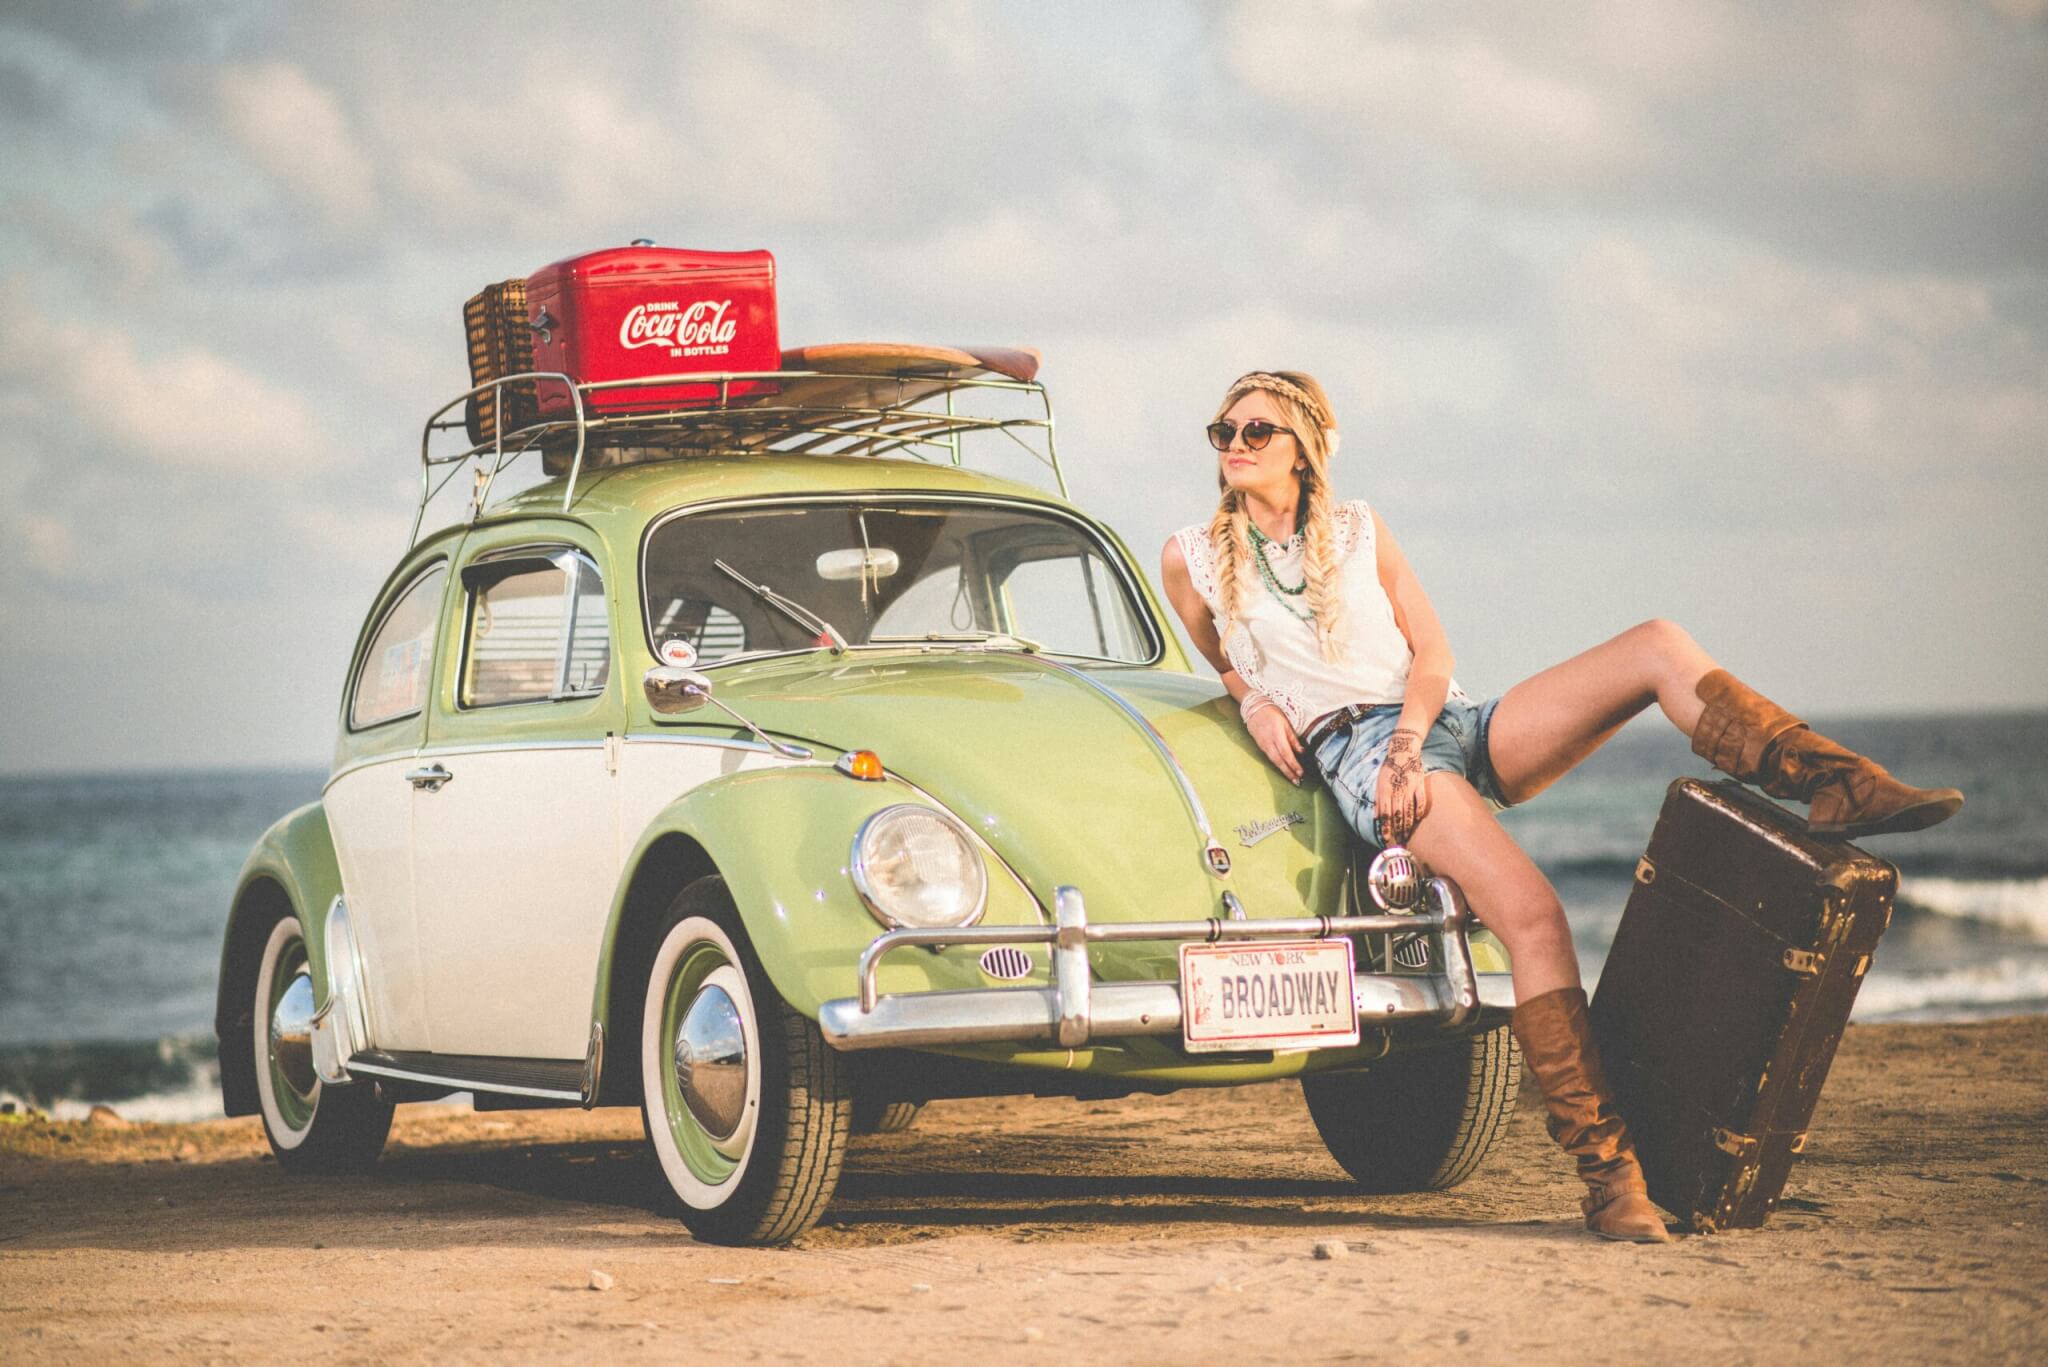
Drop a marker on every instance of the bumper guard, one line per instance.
(1075, 1009)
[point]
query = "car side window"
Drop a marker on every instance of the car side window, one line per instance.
(1072, 605)
(391, 680)
(535, 630)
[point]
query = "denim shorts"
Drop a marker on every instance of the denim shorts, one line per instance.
(1350, 758)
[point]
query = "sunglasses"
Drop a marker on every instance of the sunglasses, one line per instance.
(1257, 433)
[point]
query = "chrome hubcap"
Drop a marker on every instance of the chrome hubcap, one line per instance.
(711, 1063)
(291, 1037)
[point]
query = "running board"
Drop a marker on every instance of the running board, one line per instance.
(553, 1079)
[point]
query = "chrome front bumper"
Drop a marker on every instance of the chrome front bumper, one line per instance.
(1075, 1009)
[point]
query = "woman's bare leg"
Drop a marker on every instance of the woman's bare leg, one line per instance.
(1550, 722)
(1459, 838)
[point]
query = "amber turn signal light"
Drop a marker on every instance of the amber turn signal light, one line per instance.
(861, 764)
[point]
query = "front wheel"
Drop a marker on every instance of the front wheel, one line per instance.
(746, 1106)
(311, 1127)
(1419, 1121)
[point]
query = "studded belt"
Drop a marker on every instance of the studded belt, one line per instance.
(1330, 723)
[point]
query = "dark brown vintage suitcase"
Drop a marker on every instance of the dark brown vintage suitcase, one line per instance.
(1728, 987)
(500, 343)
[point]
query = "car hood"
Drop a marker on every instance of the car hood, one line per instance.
(1063, 783)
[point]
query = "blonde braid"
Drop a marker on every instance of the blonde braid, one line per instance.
(1319, 559)
(1229, 537)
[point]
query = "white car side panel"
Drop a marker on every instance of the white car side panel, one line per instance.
(369, 814)
(515, 859)
(656, 770)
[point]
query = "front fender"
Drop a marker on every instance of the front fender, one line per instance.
(292, 870)
(782, 838)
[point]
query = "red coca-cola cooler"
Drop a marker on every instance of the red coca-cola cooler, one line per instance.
(629, 312)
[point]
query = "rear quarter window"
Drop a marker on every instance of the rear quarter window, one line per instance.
(391, 681)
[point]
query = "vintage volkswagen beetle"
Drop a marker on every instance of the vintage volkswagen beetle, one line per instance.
(770, 767)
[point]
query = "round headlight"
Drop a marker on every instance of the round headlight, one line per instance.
(915, 866)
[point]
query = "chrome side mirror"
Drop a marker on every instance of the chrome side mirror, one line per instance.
(671, 689)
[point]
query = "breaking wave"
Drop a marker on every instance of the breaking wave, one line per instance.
(2005, 987)
(176, 1078)
(2014, 903)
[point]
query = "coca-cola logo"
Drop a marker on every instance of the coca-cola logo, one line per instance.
(701, 329)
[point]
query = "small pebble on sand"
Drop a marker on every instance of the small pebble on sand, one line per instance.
(106, 1117)
(600, 1281)
(1032, 1333)
(1327, 1249)
(920, 1288)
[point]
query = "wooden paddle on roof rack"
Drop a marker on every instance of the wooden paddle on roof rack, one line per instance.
(903, 358)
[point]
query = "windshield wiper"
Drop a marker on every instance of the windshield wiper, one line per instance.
(991, 640)
(795, 611)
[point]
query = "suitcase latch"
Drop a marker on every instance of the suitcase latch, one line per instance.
(1737, 1145)
(1804, 962)
(1646, 872)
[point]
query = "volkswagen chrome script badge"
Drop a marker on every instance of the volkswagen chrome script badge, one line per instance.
(1252, 832)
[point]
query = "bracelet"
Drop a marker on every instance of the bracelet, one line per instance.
(1249, 705)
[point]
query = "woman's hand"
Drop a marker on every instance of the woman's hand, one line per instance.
(1275, 735)
(1402, 797)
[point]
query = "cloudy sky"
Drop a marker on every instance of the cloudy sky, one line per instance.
(1736, 314)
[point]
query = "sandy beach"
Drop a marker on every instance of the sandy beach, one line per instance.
(1157, 1229)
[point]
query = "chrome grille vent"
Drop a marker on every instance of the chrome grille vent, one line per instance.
(1412, 951)
(1006, 962)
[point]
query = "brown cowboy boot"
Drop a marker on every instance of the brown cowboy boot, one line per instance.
(1746, 735)
(1557, 1047)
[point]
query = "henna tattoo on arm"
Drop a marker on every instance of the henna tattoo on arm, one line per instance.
(1404, 784)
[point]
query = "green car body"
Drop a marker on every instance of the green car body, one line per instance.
(1116, 778)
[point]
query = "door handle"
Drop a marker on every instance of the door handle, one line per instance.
(430, 778)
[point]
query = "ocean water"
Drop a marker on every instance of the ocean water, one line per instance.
(114, 890)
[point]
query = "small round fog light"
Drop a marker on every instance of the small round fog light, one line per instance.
(1395, 879)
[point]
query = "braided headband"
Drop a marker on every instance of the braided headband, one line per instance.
(1287, 389)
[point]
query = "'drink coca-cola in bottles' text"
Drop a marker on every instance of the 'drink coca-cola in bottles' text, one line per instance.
(698, 329)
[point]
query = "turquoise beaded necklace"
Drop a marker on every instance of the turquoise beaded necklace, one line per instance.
(1284, 593)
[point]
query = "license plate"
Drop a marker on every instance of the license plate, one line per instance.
(1295, 995)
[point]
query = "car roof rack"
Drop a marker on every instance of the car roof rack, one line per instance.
(856, 398)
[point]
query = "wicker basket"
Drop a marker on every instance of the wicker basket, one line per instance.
(500, 343)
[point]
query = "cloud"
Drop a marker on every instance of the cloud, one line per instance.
(108, 248)
(1450, 91)
(1831, 130)
(51, 548)
(663, 135)
(298, 132)
(186, 409)
(1760, 357)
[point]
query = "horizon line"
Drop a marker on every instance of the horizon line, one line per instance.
(132, 770)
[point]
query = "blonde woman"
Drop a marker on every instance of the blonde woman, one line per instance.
(1314, 619)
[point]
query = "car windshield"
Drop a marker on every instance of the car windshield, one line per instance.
(887, 572)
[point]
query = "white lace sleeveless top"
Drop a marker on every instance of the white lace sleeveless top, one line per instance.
(1277, 653)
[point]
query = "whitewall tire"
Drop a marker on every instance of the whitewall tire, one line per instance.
(745, 1105)
(311, 1127)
